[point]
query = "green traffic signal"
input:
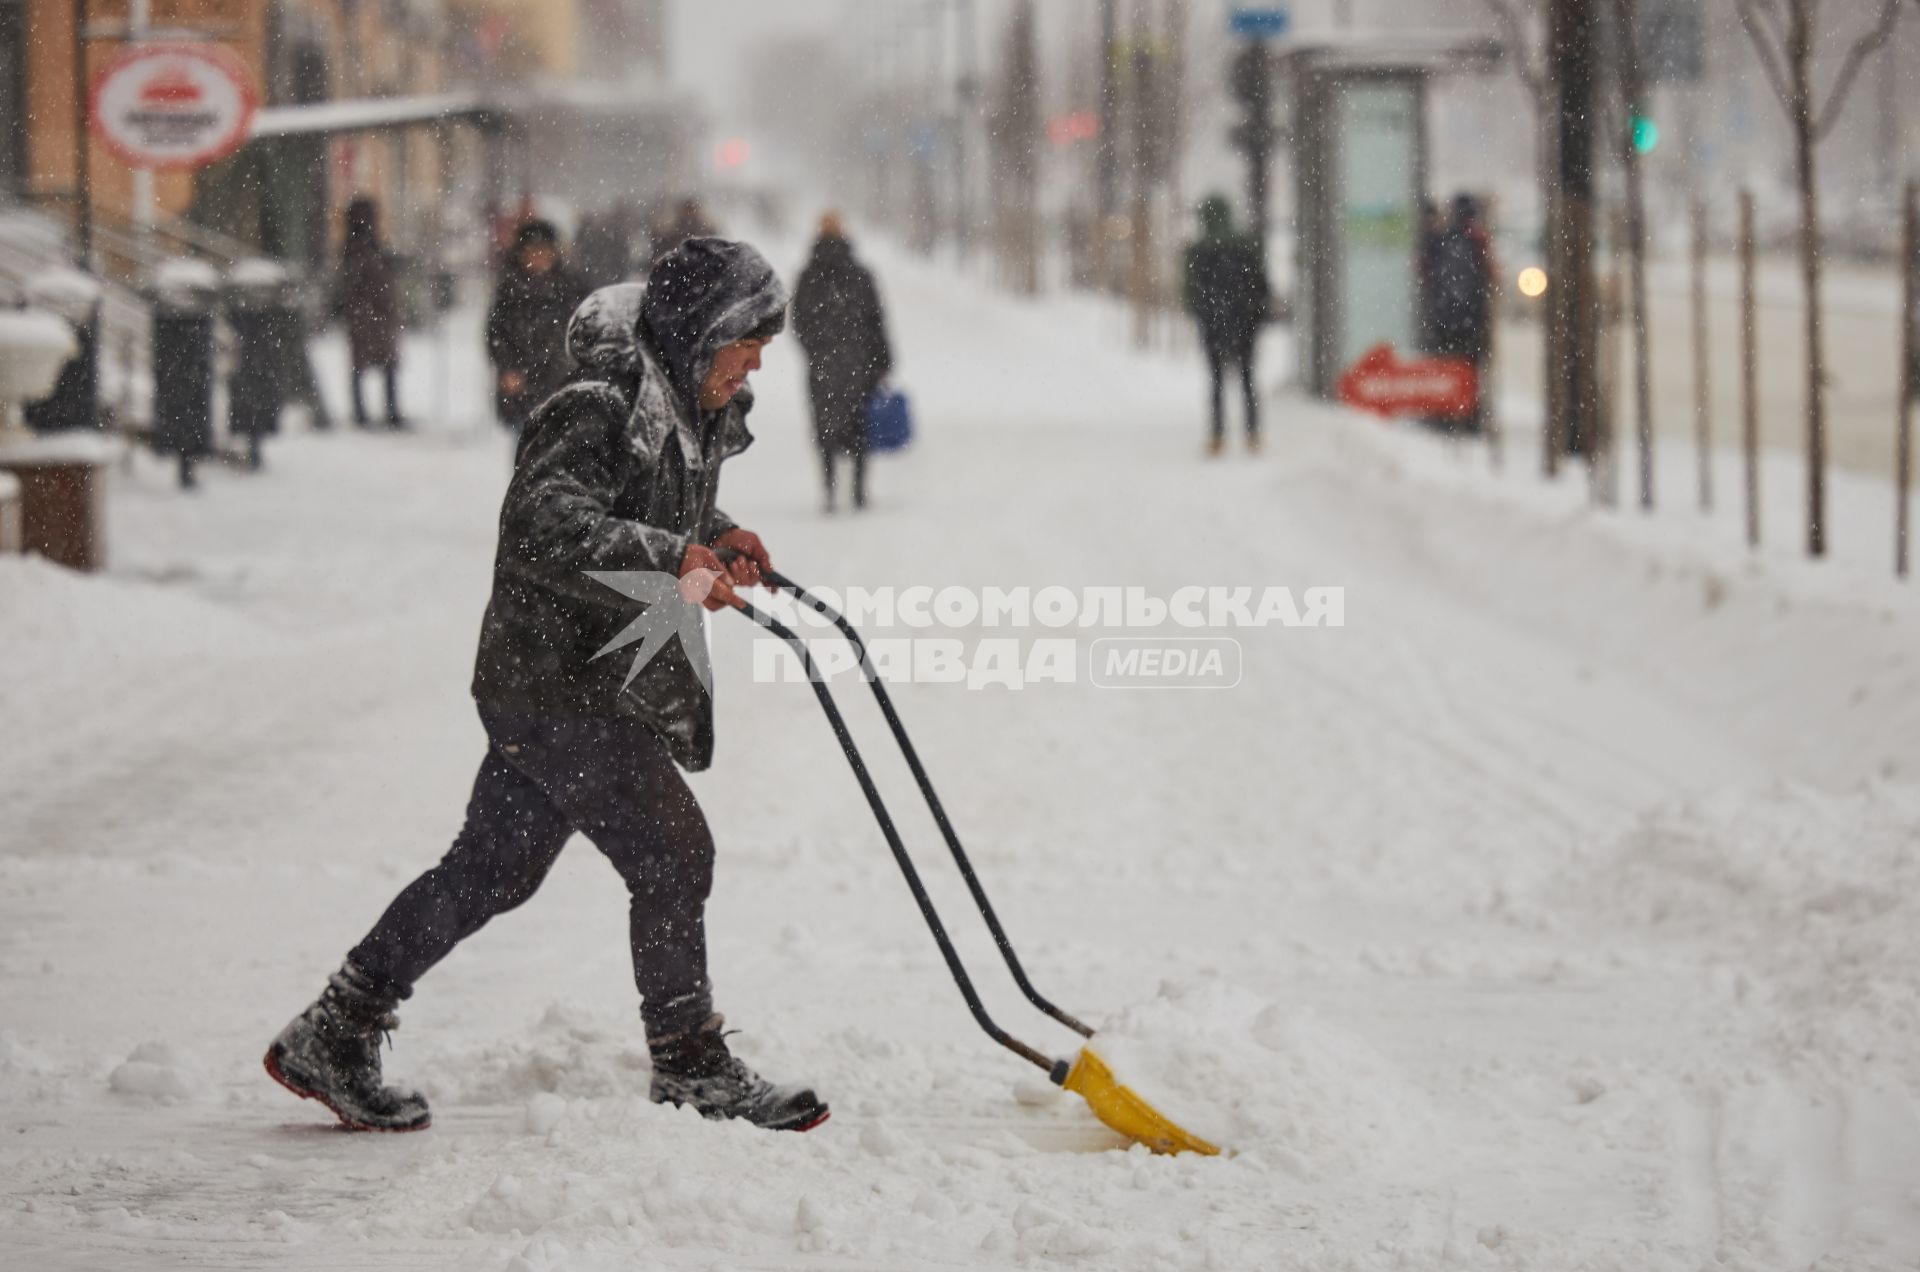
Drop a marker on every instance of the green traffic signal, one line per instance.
(1646, 135)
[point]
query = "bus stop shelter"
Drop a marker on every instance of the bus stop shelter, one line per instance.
(1359, 158)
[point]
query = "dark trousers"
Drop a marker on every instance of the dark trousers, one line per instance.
(829, 464)
(544, 778)
(1222, 355)
(391, 373)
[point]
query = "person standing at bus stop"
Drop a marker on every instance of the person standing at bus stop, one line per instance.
(1458, 295)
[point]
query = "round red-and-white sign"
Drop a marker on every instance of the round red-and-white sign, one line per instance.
(172, 106)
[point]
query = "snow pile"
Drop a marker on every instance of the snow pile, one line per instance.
(1809, 901)
(70, 638)
(1256, 1076)
(156, 1071)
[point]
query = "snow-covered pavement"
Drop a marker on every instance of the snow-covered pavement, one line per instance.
(1557, 911)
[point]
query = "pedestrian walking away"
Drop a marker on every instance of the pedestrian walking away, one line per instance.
(1225, 289)
(527, 324)
(840, 324)
(367, 299)
(617, 471)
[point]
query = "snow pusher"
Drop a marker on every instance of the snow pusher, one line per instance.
(1087, 1074)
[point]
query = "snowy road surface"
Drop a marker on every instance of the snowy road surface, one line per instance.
(1558, 911)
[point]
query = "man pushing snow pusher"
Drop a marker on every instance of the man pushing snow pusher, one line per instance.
(617, 471)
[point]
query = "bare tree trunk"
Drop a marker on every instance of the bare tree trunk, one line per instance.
(1702, 360)
(1816, 352)
(1787, 59)
(1552, 428)
(1749, 370)
(1632, 93)
(1909, 373)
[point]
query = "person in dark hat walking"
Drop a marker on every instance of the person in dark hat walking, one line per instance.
(615, 472)
(527, 325)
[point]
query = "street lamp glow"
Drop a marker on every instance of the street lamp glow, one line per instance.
(1533, 282)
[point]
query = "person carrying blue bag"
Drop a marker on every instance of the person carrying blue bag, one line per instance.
(840, 324)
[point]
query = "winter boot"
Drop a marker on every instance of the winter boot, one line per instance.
(695, 1068)
(331, 1053)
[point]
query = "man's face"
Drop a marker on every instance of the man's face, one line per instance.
(539, 258)
(728, 375)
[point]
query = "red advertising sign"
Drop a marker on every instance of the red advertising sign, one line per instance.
(172, 107)
(1383, 383)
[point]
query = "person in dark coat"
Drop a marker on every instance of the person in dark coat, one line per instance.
(616, 472)
(1459, 296)
(367, 298)
(1225, 289)
(837, 318)
(527, 325)
(603, 247)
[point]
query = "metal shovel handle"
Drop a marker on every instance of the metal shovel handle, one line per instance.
(1055, 1069)
(947, 832)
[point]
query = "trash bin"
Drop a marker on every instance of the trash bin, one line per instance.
(74, 297)
(184, 294)
(269, 336)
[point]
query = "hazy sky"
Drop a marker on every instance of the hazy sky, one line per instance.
(709, 36)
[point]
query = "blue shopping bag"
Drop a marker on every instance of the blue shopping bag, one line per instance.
(889, 420)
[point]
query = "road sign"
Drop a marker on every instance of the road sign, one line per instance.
(1268, 23)
(1381, 382)
(172, 107)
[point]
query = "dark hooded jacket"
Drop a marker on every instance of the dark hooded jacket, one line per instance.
(618, 471)
(527, 332)
(1226, 280)
(838, 321)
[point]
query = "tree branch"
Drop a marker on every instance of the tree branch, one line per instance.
(1513, 30)
(1863, 48)
(1767, 51)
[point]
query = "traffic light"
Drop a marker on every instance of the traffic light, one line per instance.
(1646, 134)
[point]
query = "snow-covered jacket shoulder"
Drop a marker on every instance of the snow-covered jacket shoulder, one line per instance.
(616, 471)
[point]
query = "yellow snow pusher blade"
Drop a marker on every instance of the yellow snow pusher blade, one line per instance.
(1120, 1107)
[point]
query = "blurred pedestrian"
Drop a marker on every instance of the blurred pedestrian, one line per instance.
(689, 221)
(367, 299)
(839, 322)
(602, 248)
(527, 325)
(1226, 292)
(1460, 299)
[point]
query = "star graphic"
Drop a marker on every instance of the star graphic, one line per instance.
(668, 614)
